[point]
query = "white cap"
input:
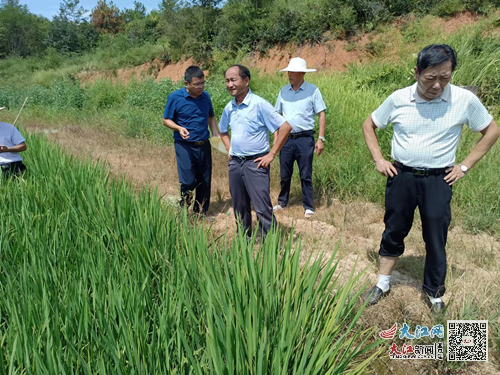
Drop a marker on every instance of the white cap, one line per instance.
(297, 65)
(2, 108)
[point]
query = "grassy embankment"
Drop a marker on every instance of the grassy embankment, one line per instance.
(346, 170)
(95, 278)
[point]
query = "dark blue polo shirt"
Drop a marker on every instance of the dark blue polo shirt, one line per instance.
(190, 113)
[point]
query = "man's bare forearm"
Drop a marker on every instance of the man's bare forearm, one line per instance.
(371, 139)
(17, 148)
(280, 137)
(322, 123)
(171, 125)
(225, 139)
(490, 136)
(212, 123)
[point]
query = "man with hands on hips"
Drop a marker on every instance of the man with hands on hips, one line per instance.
(428, 118)
(250, 118)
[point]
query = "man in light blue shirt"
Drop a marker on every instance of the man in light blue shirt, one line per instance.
(11, 144)
(250, 118)
(300, 102)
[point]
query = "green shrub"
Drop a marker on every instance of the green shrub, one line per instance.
(448, 8)
(103, 94)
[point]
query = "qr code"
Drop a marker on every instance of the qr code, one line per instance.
(467, 340)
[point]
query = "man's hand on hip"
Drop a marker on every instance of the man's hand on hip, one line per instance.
(386, 168)
(454, 174)
(264, 161)
(319, 147)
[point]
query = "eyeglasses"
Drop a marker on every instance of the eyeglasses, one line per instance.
(198, 84)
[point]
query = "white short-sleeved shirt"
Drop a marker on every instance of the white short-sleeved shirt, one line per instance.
(300, 107)
(250, 123)
(10, 136)
(426, 133)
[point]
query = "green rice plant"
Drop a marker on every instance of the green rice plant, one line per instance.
(95, 278)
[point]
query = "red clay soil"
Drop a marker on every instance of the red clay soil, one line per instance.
(329, 56)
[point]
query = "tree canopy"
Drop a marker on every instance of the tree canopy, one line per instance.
(197, 28)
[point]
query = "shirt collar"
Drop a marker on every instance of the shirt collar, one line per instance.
(245, 101)
(302, 87)
(186, 94)
(414, 97)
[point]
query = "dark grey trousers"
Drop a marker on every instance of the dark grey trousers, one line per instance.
(247, 183)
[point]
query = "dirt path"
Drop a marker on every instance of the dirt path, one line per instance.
(354, 227)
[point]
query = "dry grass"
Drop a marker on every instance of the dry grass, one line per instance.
(473, 272)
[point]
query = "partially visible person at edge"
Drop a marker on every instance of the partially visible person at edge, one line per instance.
(189, 112)
(250, 118)
(300, 102)
(11, 144)
(428, 118)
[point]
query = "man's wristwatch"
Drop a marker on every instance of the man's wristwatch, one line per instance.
(322, 138)
(463, 168)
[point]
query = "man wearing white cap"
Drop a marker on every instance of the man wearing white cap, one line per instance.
(11, 144)
(300, 102)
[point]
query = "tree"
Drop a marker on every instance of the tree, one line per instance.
(70, 11)
(107, 19)
(137, 13)
(64, 28)
(21, 32)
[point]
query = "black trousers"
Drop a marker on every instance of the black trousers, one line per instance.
(432, 195)
(301, 150)
(194, 166)
(16, 168)
(249, 184)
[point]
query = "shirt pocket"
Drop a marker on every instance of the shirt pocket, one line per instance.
(252, 122)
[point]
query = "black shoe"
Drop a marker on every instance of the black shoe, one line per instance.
(374, 295)
(437, 308)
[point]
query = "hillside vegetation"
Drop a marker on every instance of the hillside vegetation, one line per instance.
(346, 172)
(106, 37)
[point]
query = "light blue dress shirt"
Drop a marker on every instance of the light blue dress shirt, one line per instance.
(250, 123)
(10, 137)
(300, 107)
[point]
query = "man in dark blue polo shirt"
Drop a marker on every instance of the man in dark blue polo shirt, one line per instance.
(189, 112)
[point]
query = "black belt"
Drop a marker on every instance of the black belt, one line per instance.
(420, 171)
(301, 134)
(246, 158)
(196, 143)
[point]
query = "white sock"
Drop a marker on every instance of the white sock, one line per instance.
(435, 300)
(384, 282)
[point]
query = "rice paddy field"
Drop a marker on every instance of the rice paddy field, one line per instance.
(97, 277)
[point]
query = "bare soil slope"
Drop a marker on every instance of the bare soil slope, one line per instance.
(333, 55)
